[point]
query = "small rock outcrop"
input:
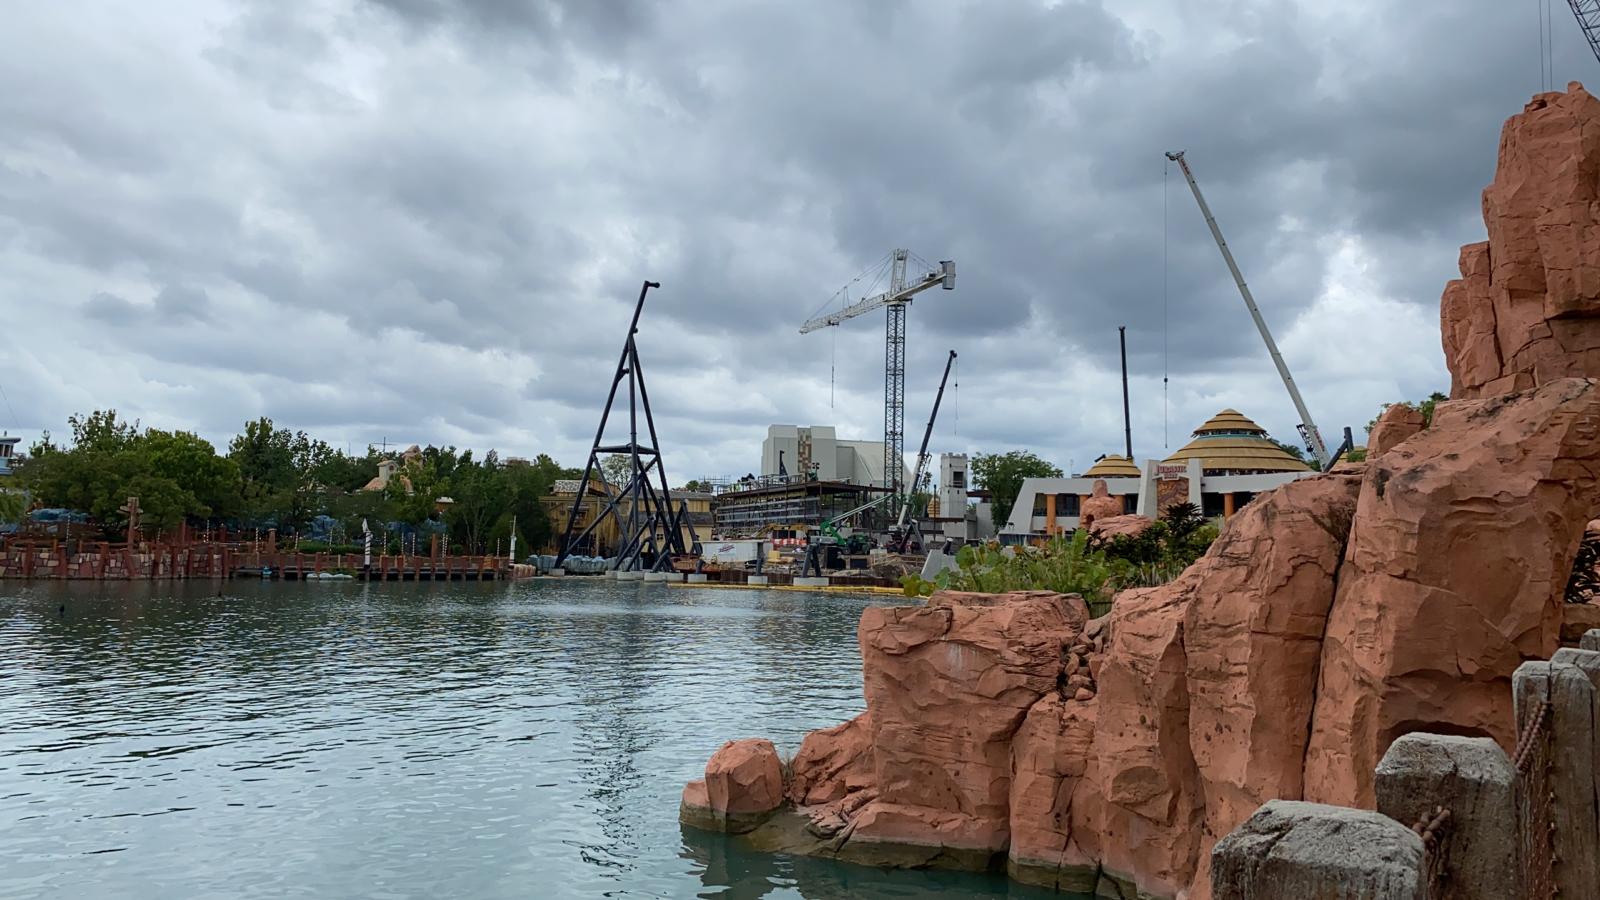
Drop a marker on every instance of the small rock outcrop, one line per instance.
(743, 786)
(1116, 526)
(1525, 309)
(1099, 504)
(1398, 422)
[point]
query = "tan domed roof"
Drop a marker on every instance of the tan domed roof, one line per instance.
(1230, 442)
(1113, 466)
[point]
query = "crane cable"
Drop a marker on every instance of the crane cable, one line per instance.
(1166, 169)
(9, 409)
(1547, 46)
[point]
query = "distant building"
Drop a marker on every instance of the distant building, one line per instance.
(389, 468)
(817, 452)
(1229, 461)
(8, 449)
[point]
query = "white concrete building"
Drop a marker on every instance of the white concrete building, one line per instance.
(818, 450)
(1229, 461)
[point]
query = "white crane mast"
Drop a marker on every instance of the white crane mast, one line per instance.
(1308, 428)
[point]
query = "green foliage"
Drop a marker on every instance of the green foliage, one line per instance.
(1080, 564)
(12, 506)
(175, 474)
(1425, 407)
(1002, 474)
(618, 469)
(272, 477)
(1296, 451)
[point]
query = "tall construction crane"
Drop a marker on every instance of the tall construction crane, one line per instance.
(901, 535)
(1308, 428)
(1588, 13)
(895, 300)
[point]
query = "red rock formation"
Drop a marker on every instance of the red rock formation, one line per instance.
(743, 785)
(832, 763)
(1463, 540)
(1100, 504)
(1253, 638)
(1331, 616)
(947, 685)
(1525, 308)
(1114, 526)
(1397, 423)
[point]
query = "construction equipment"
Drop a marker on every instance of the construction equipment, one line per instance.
(1308, 428)
(901, 535)
(895, 300)
(827, 534)
(1588, 13)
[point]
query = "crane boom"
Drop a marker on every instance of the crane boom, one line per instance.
(1588, 15)
(944, 276)
(922, 452)
(1308, 428)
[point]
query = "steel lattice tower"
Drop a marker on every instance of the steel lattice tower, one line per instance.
(894, 379)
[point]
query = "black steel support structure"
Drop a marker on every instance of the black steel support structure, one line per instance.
(1127, 421)
(650, 524)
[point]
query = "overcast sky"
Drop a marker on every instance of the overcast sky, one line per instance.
(427, 220)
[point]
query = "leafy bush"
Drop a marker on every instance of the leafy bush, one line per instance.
(1092, 567)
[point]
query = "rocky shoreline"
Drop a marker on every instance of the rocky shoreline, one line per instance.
(1331, 617)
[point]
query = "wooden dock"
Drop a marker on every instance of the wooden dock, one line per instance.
(306, 566)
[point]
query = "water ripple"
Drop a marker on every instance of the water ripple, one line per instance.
(472, 740)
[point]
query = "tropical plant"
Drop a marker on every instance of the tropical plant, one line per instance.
(1064, 564)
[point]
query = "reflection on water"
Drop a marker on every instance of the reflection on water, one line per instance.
(345, 740)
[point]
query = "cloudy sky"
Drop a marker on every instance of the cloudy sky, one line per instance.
(427, 220)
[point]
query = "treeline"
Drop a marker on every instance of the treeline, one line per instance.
(272, 477)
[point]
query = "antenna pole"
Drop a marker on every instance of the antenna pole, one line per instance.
(1127, 421)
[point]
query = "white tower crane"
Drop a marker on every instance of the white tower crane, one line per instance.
(895, 300)
(1308, 428)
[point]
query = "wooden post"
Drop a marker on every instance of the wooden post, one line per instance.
(1556, 796)
(1227, 505)
(1473, 779)
(1049, 514)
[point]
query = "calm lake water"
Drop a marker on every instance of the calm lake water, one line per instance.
(343, 740)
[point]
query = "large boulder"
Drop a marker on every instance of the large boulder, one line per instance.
(743, 785)
(1526, 309)
(947, 685)
(1463, 540)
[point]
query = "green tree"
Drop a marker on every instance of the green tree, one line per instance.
(13, 504)
(618, 468)
(1002, 474)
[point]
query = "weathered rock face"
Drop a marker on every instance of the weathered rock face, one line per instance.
(947, 686)
(743, 785)
(1458, 558)
(1100, 504)
(832, 763)
(1114, 526)
(1397, 423)
(1526, 309)
(1253, 640)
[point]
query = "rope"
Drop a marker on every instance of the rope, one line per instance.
(1531, 733)
(1435, 831)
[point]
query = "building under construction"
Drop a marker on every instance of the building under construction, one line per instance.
(749, 506)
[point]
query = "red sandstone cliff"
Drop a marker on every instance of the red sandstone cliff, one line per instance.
(1330, 617)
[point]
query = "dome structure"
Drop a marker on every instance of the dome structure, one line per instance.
(1230, 443)
(1113, 466)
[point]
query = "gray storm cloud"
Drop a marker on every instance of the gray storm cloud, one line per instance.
(426, 221)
